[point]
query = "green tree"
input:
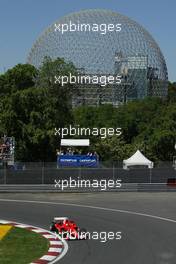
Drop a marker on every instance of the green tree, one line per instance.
(172, 92)
(31, 114)
(20, 77)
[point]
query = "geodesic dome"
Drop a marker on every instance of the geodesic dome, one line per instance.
(132, 52)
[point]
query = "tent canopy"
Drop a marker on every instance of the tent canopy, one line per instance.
(137, 159)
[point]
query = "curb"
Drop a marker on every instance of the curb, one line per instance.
(57, 247)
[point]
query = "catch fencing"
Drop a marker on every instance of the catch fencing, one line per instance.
(47, 173)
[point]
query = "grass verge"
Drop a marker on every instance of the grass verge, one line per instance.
(21, 246)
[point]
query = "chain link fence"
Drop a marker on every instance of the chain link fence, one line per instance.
(47, 173)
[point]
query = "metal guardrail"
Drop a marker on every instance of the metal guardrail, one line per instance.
(46, 175)
(126, 187)
(39, 177)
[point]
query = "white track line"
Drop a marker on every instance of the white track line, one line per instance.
(93, 207)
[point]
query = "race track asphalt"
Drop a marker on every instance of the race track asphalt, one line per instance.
(145, 239)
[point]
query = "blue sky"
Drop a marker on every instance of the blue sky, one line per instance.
(21, 22)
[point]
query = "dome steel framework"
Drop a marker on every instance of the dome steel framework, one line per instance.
(132, 53)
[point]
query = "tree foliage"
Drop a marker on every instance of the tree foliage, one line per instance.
(32, 105)
(148, 125)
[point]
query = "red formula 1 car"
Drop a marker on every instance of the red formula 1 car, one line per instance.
(67, 229)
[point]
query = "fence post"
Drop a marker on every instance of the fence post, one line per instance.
(43, 173)
(5, 173)
(113, 172)
(79, 173)
(150, 175)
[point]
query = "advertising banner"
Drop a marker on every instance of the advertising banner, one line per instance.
(77, 161)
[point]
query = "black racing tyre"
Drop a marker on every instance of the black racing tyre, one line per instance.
(53, 228)
(83, 231)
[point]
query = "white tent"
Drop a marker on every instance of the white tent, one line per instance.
(137, 159)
